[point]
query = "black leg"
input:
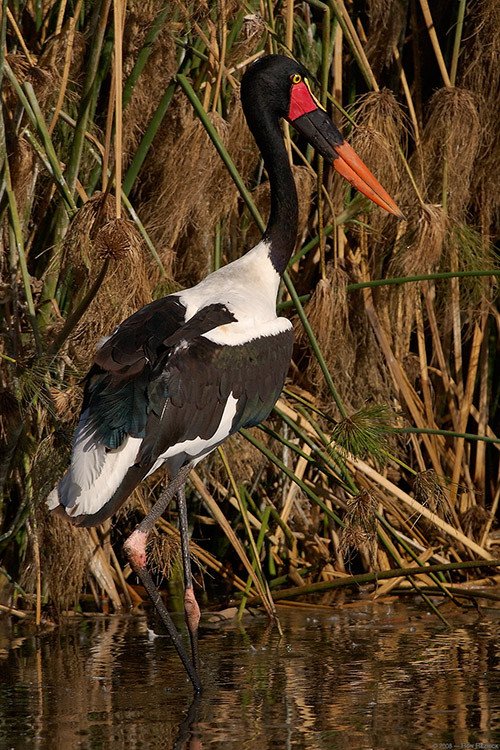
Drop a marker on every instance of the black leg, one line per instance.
(191, 608)
(135, 550)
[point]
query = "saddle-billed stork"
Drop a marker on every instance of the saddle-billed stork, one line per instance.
(179, 376)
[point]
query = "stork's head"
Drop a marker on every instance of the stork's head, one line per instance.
(277, 86)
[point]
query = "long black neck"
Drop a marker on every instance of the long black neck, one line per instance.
(281, 230)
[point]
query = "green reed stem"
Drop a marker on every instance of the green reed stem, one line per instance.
(276, 461)
(89, 85)
(394, 554)
(17, 243)
(143, 56)
(48, 155)
(145, 236)
(411, 552)
(260, 541)
(74, 317)
(326, 24)
(422, 277)
(351, 42)
(246, 522)
(222, 150)
(446, 433)
(378, 575)
(328, 444)
(314, 343)
(334, 469)
(3, 48)
(147, 139)
(402, 280)
(458, 39)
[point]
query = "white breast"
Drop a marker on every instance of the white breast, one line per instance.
(248, 287)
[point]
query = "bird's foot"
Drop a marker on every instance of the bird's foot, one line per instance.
(135, 550)
(192, 614)
(192, 610)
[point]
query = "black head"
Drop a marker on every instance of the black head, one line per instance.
(267, 85)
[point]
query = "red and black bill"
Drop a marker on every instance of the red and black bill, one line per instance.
(309, 119)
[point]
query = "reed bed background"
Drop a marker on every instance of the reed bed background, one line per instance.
(128, 172)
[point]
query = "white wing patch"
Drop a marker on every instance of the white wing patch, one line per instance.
(247, 286)
(197, 448)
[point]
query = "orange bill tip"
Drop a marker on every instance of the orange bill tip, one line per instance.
(349, 165)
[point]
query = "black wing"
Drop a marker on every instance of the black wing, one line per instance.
(116, 398)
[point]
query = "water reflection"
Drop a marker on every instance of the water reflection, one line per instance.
(375, 676)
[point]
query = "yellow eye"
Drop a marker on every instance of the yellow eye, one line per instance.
(296, 78)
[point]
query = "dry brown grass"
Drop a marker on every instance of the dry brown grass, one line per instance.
(93, 236)
(450, 141)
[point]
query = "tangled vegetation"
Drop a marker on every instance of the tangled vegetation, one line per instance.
(128, 172)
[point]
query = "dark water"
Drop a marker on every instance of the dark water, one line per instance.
(371, 676)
